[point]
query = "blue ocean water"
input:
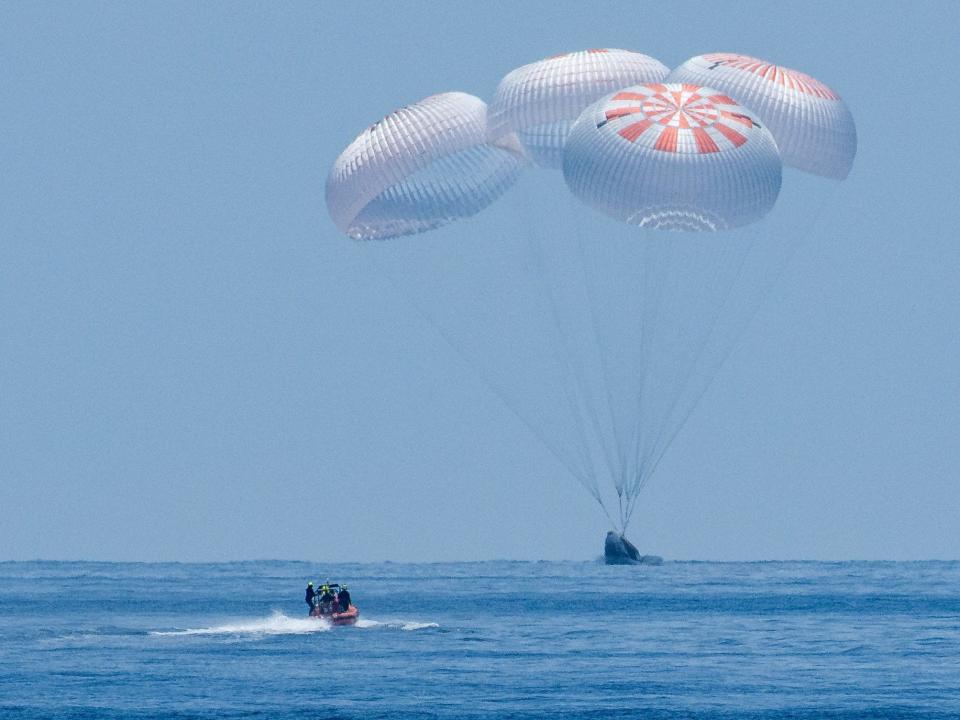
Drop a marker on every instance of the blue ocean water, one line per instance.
(482, 640)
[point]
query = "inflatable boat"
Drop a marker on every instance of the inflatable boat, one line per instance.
(329, 609)
(346, 617)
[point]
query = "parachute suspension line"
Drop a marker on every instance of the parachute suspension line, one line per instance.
(659, 454)
(570, 379)
(631, 463)
(617, 473)
(738, 335)
(580, 475)
(654, 274)
(623, 522)
(650, 453)
(704, 343)
(582, 399)
(689, 368)
(535, 256)
(669, 269)
(654, 281)
(583, 392)
(607, 440)
(664, 263)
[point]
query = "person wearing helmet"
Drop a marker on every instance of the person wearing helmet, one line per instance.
(326, 600)
(344, 597)
(310, 597)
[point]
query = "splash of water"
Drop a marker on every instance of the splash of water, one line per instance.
(276, 624)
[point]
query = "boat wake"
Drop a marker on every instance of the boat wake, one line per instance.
(407, 625)
(280, 624)
(276, 624)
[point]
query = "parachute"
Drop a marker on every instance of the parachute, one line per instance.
(813, 128)
(673, 156)
(541, 101)
(598, 330)
(421, 167)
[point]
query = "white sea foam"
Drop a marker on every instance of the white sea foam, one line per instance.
(419, 625)
(280, 624)
(408, 625)
(276, 624)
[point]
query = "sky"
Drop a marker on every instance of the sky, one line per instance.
(196, 365)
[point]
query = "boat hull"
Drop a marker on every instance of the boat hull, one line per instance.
(347, 617)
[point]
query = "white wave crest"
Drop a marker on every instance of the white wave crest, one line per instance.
(395, 624)
(419, 625)
(276, 624)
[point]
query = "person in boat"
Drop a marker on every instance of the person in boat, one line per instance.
(326, 599)
(310, 596)
(344, 598)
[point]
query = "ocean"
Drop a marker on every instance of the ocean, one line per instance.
(498, 640)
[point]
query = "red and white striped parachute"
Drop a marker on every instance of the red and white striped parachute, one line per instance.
(811, 124)
(673, 156)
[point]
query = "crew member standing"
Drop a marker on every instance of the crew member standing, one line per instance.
(311, 594)
(344, 597)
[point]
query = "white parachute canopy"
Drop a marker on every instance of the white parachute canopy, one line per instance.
(810, 122)
(672, 156)
(540, 101)
(421, 167)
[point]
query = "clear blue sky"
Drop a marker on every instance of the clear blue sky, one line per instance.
(195, 365)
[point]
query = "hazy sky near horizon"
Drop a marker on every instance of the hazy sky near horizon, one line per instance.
(196, 365)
